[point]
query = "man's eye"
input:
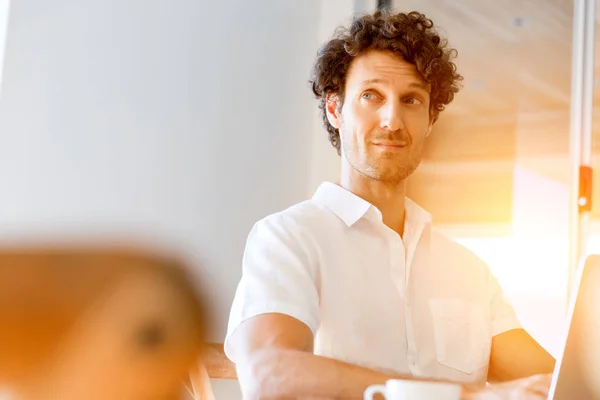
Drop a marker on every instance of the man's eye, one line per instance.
(413, 100)
(367, 96)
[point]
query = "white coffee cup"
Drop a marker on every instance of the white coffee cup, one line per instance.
(398, 389)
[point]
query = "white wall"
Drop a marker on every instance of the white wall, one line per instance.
(182, 121)
(4, 7)
(176, 123)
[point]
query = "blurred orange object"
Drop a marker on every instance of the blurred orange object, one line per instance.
(96, 324)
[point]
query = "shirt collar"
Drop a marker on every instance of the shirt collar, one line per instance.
(350, 208)
(415, 214)
(343, 203)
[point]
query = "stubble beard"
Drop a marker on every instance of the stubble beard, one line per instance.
(373, 170)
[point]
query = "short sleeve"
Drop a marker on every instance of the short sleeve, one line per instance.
(278, 276)
(503, 314)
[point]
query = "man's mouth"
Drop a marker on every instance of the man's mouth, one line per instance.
(389, 145)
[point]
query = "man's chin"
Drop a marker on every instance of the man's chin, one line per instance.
(397, 176)
(389, 178)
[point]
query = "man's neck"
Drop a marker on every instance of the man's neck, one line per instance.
(388, 198)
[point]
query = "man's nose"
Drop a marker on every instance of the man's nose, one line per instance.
(391, 117)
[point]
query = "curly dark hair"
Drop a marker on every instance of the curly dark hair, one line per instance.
(412, 36)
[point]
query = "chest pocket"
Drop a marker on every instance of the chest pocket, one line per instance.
(462, 334)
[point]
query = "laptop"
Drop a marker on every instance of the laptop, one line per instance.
(577, 371)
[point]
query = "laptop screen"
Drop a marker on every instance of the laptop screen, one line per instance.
(577, 370)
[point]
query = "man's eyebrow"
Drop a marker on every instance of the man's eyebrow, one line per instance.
(420, 85)
(415, 84)
(375, 80)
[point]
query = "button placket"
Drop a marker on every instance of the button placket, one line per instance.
(414, 236)
(411, 351)
(397, 262)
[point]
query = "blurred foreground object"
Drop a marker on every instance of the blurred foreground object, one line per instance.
(96, 324)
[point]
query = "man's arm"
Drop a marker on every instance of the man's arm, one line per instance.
(274, 359)
(515, 354)
(273, 356)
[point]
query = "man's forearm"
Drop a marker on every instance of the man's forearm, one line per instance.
(274, 373)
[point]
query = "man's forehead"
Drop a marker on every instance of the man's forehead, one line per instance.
(383, 67)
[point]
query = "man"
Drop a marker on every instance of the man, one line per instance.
(354, 287)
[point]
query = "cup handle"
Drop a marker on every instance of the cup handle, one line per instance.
(374, 389)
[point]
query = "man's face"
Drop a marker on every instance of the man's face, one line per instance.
(384, 118)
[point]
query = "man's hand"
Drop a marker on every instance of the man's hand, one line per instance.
(534, 387)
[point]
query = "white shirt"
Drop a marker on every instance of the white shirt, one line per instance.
(420, 305)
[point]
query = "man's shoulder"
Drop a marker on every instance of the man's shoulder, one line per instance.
(307, 214)
(299, 228)
(451, 253)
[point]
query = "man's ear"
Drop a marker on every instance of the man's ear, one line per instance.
(333, 110)
(433, 117)
(429, 128)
